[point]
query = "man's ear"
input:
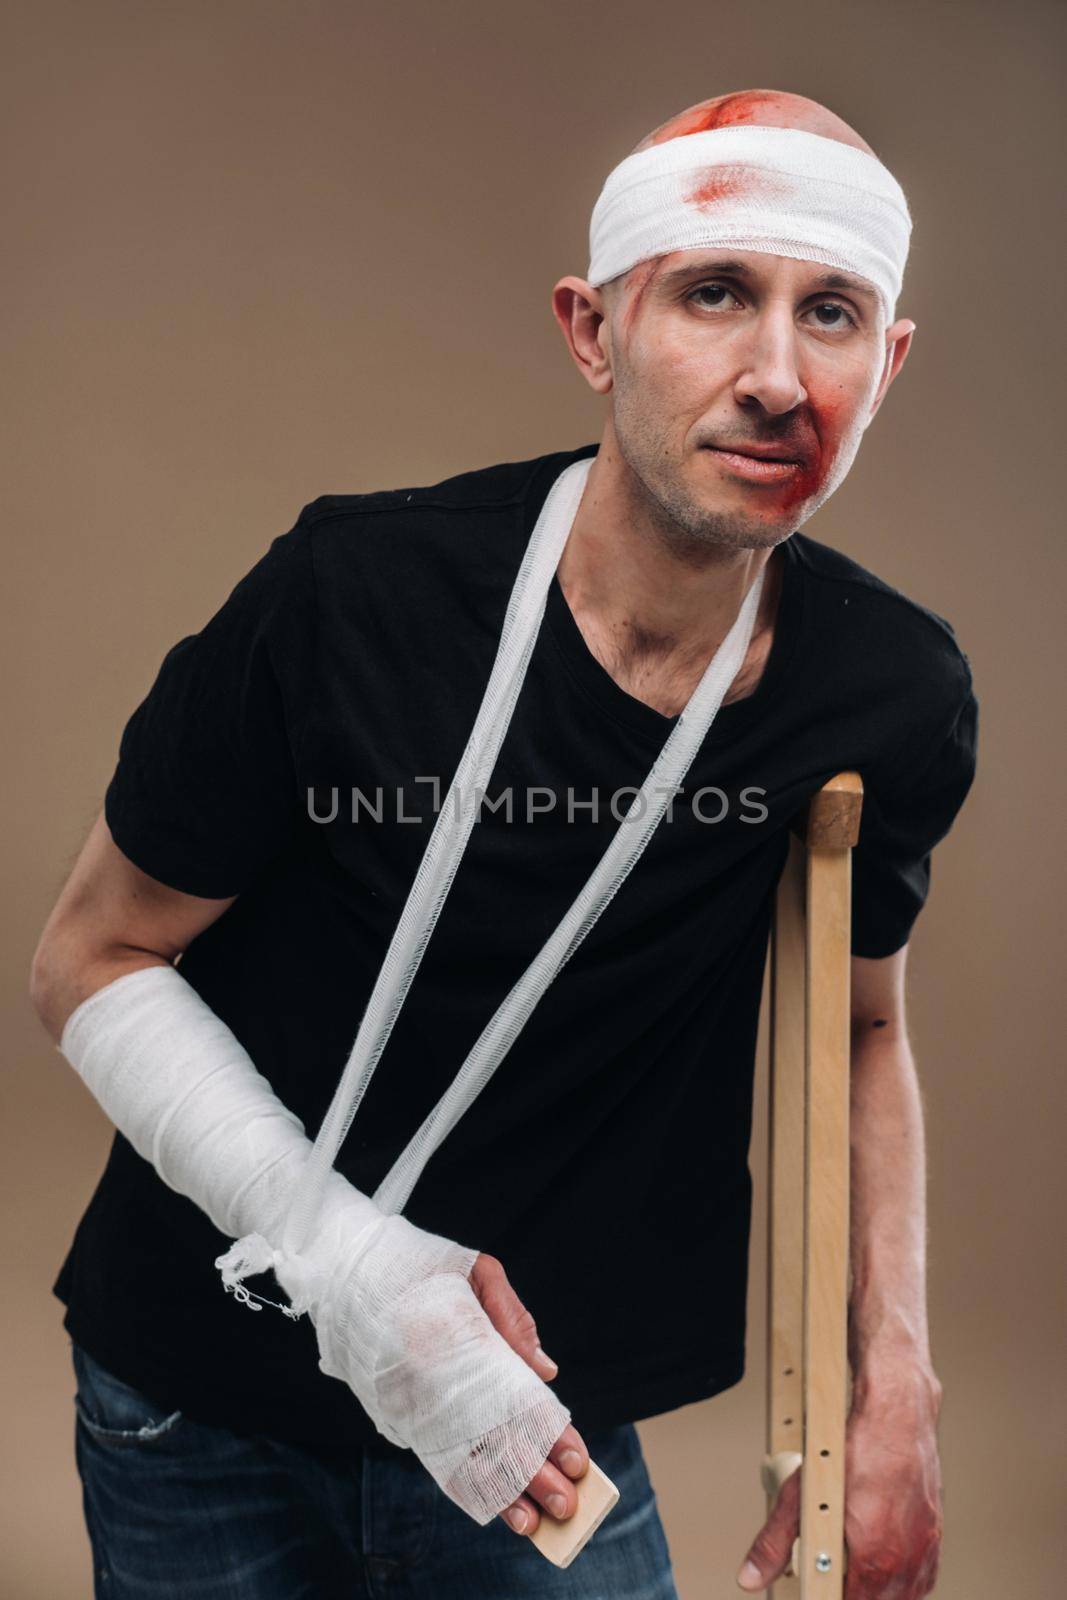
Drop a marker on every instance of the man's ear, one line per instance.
(581, 312)
(897, 344)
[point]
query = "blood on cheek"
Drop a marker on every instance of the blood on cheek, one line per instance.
(827, 414)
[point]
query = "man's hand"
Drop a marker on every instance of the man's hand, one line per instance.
(551, 1487)
(893, 1518)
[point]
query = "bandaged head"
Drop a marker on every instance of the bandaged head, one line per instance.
(780, 191)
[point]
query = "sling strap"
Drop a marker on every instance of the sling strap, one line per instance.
(445, 849)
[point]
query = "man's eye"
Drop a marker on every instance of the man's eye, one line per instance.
(833, 306)
(712, 289)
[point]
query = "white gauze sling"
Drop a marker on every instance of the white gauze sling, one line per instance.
(438, 868)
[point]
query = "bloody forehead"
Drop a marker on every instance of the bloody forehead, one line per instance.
(724, 111)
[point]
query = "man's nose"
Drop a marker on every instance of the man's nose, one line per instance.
(768, 371)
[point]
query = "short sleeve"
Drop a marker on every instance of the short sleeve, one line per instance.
(902, 819)
(205, 793)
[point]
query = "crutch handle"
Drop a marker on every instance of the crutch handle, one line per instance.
(774, 1470)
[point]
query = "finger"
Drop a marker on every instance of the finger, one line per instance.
(554, 1491)
(522, 1516)
(769, 1553)
(509, 1316)
(570, 1454)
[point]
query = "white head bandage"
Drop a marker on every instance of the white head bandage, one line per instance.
(781, 191)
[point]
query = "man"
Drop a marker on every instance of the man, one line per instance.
(272, 803)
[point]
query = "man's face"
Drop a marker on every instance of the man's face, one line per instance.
(717, 350)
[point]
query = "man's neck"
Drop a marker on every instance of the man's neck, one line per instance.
(653, 613)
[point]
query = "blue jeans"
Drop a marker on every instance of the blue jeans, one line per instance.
(178, 1510)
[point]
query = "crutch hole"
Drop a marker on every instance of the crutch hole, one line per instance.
(824, 1506)
(786, 1421)
(788, 1372)
(824, 1452)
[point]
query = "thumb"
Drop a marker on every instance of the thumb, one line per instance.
(769, 1552)
(508, 1315)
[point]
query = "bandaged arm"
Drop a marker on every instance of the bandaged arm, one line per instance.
(395, 1315)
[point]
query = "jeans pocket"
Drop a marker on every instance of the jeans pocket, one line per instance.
(113, 1411)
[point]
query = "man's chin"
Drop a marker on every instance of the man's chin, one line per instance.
(750, 519)
(705, 506)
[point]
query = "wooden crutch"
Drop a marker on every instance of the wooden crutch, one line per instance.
(807, 1367)
(808, 1205)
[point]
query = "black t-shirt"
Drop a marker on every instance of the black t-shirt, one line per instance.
(606, 1162)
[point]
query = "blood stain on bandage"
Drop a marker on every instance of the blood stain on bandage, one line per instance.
(721, 182)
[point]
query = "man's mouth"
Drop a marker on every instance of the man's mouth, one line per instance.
(762, 452)
(757, 463)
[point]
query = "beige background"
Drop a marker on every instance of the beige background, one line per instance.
(256, 252)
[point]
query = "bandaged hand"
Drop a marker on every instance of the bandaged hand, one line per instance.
(395, 1316)
(398, 1321)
